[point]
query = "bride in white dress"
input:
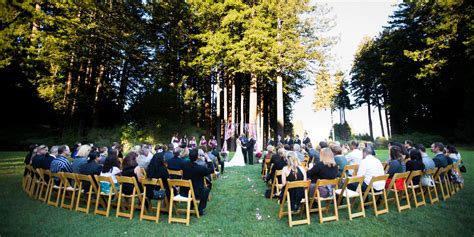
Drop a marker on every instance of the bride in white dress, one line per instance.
(238, 158)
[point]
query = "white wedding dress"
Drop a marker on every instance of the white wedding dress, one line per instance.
(238, 159)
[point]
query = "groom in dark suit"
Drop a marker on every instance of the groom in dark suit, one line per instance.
(250, 145)
(244, 142)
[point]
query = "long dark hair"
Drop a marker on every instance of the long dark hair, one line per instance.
(109, 163)
(130, 161)
(395, 153)
(93, 156)
(415, 156)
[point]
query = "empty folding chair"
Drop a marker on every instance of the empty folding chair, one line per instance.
(177, 198)
(276, 184)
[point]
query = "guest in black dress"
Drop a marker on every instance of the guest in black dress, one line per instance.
(293, 172)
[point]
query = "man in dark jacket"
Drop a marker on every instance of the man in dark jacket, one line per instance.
(176, 163)
(196, 173)
(440, 160)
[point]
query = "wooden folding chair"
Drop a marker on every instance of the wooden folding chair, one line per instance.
(266, 167)
(386, 166)
(136, 194)
(143, 171)
(53, 187)
(112, 192)
(414, 188)
(374, 194)
(348, 171)
(175, 173)
(439, 179)
(25, 182)
(70, 187)
(287, 199)
(276, 185)
(92, 190)
(151, 183)
(43, 184)
(448, 184)
(431, 190)
(332, 198)
(177, 198)
(348, 194)
(457, 186)
(35, 183)
(393, 188)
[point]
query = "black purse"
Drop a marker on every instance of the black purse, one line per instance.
(159, 194)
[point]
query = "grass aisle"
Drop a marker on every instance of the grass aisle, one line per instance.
(237, 197)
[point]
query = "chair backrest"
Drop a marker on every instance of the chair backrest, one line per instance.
(298, 184)
(431, 172)
(40, 173)
(143, 171)
(129, 180)
(413, 174)
(348, 168)
(180, 183)
(398, 176)
(152, 182)
(175, 172)
(69, 179)
(81, 178)
(438, 172)
(106, 179)
(323, 182)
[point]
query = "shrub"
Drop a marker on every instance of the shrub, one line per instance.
(419, 138)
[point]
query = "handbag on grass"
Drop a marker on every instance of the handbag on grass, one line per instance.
(159, 194)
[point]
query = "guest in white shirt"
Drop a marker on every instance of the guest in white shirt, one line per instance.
(144, 159)
(355, 156)
(369, 167)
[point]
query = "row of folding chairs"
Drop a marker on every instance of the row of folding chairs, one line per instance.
(84, 192)
(341, 197)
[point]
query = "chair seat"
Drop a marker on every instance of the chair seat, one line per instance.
(71, 189)
(180, 198)
(57, 187)
(103, 193)
(414, 186)
(347, 193)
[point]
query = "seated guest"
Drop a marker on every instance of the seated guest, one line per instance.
(299, 154)
(176, 163)
(110, 169)
(61, 163)
(278, 161)
(92, 167)
(395, 162)
(293, 172)
(81, 158)
(312, 153)
(131, 169)
(340, 160)
(427, 161)
(31, 152)
(453, 154)
(268, 157)
(408, 146)
(196, 173)
(103, 154)
(42, 159)
(415, 163)
(440, 160)
(355, 155)
(75, 149)
(220, 161)
(144, 158)
(326, 168)
(369, 167)
(157, 170)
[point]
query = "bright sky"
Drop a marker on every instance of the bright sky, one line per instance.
(354, 20)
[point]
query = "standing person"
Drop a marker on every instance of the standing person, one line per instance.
(192, 143)
(270, 142)
(288, 141)
(243, 143)
(184, 141)
(250, 146)
(306, 139)
(297, 140)
(280, 140)
(203, 141)
(213, 143)
(175, 140)
(196, 173)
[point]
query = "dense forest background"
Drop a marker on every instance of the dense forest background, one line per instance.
(139, 71)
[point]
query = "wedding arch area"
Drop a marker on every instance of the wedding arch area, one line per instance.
(241, 87)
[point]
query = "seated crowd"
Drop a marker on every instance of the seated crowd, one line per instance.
(328, 162)
(140, 162)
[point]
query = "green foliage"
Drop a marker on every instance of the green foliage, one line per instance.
(420, 138)
(381, 143)
(363, 137)
(342, 131)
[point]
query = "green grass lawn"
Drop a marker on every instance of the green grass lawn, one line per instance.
(236, 199)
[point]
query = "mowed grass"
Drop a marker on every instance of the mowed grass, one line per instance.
(236, 199)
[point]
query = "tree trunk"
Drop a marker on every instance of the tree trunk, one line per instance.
(380, 117)
(123, 85)
(241, 112)
(280, 113)
(370, 120)
(218, 111)
(253, 102)
(389, 132)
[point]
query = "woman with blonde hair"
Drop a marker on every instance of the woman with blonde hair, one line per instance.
(325, 168)
(293, 172)
(81, 158)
